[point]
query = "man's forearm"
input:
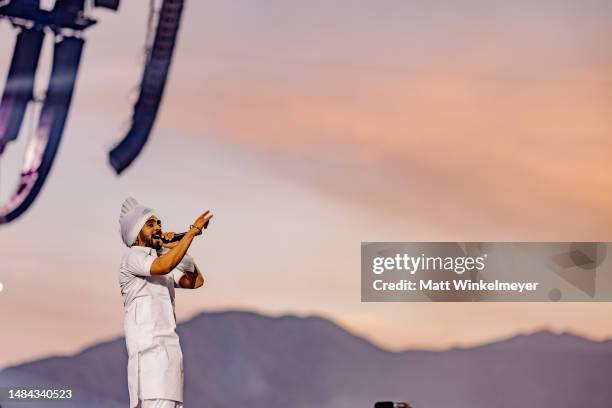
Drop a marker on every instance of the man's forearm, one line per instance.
(168, 261)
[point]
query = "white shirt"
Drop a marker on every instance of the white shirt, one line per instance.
(155, 360)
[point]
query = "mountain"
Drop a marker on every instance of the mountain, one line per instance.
(237, 359)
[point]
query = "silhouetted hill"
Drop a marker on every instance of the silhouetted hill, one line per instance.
(247, 359)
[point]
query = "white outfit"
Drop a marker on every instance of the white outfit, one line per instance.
(158, 403)
(155, 360)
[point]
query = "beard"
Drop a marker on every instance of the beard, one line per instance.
(155, 243)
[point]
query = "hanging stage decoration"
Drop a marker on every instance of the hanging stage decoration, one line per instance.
(66, 21)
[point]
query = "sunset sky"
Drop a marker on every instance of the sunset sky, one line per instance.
(308, 127)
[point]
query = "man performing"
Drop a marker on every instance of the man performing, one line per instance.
(147, 280)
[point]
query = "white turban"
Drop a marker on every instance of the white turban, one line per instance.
(133, 216)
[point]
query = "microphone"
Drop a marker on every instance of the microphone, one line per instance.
(179, 236)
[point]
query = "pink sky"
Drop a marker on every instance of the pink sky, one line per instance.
(308, 128)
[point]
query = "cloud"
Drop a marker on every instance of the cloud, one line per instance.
(524, 153)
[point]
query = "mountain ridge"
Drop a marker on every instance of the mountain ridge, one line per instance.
(238, 358)
(501, 340)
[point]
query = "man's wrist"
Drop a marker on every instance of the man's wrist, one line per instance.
(194, 230)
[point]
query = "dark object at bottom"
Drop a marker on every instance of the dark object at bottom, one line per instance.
(389, 404)
(109, 4)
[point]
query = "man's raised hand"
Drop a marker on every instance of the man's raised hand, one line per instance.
(202, 221)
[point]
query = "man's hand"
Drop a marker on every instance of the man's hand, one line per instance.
(192, 280)
(202, 221)
(168, 236)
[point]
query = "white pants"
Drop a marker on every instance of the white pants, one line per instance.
(160, 403)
